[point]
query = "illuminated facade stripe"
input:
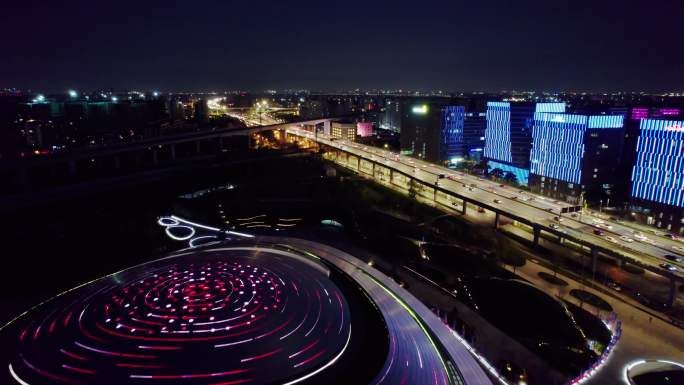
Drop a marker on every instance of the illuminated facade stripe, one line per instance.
(498, 131)
(550, 107)
(558, 143)
(503, 129)
(658, 173)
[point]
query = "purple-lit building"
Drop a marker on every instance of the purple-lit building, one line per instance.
(364, 129)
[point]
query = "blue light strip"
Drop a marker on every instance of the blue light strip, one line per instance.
(606, 121)
(550, 107)
(658, 173)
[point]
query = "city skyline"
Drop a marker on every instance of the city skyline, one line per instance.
(582, 46)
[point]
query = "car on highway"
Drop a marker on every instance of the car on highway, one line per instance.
(559, 219)
(674, 258)
(639, 235)
(627, 239)
(470, 189)
(480, 210)
(613, 286)
(441, 176)
(598, 232)
(611, 239)
(678, 248)
(497, 201)
(554, 226)
(667, 266)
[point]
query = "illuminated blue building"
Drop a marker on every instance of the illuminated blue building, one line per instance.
(508, 135)
(575, 154)
(658, 173)
(452, 140)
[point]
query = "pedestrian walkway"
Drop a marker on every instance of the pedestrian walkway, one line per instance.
(643, 336)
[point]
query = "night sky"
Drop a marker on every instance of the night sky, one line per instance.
(553, 45)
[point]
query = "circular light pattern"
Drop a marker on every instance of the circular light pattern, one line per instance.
(228, 316)
(203, 240)
(180, 232)
(167, 221)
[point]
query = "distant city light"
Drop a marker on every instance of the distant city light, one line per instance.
(115, 99)
(421, 110)
(73, 93)
(155, 94)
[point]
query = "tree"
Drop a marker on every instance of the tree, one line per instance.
(497, 173)
(412, 191)
(507, 253)
(510, 178)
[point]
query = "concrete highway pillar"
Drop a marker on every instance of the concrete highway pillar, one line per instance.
(373, 169)
(283, 136)
(536, 232)
(673, 292)
(465, 205)
(155, 157)
(198, 147)
(221, 143)
(496, 221)
(594, 257)
(173, 152)
(391, 176)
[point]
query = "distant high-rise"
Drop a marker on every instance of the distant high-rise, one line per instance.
(432, 130)
(474, 127)
(176, 109)
(390, 118)
(201, 113)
